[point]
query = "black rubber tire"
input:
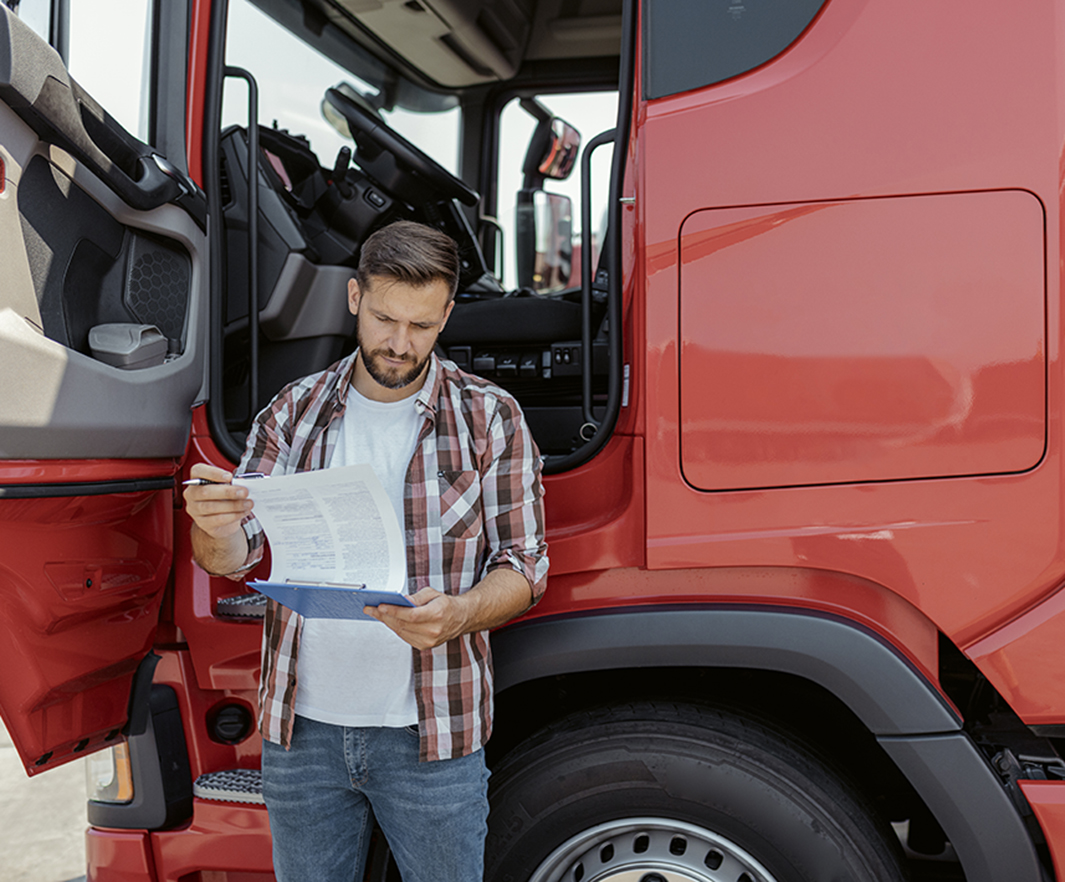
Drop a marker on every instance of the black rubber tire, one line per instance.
(686, 767)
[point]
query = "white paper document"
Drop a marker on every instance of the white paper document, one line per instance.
(330, 526)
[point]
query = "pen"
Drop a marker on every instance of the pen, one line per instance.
(203, 482)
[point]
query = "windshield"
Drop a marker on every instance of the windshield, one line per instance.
(292, 78)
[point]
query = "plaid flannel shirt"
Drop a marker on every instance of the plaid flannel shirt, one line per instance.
(483, 510)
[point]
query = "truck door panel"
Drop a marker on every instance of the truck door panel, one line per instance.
(94, 231)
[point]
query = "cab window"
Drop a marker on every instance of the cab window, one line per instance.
(590, 113)
(117, 70)
(36, 13)
(292, 84)
(688, 44)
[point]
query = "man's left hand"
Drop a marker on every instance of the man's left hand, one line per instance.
(435, 618)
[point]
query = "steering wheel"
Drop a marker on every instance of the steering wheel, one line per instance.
(408, 158)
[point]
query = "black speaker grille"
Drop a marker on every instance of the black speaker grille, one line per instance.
(157, 289)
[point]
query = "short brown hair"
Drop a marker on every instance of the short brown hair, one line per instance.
(410, 252)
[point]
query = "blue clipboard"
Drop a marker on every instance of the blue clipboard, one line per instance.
(327, 601)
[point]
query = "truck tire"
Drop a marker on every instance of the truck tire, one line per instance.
(660, 792)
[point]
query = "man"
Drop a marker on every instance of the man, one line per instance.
(390, 715)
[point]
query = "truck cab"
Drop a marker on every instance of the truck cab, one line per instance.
(778, 288)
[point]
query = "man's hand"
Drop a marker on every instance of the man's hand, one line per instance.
(437, 618)
(218, 543)
(219, 507)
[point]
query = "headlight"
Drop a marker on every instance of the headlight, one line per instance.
(108, 777)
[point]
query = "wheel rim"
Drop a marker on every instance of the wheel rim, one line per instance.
(650, 850)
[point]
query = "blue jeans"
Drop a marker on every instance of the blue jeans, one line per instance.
(321, 792)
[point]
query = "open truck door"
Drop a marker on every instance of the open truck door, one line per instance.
(102, 355)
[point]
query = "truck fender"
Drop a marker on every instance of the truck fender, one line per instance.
(914, 723)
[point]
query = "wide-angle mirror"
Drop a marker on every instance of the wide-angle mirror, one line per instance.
(561, 152)
(544, 233)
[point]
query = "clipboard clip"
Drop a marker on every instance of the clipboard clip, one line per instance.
(296, 583)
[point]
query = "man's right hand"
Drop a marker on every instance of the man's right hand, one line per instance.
(219, 507)
(218, 542)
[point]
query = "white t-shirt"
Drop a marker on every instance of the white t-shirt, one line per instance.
(359, 672)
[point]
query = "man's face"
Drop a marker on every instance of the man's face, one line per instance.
(397, 329)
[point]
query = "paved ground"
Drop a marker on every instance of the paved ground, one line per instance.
(42, 820)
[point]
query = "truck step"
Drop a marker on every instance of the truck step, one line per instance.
(230, 785)
(242, 606)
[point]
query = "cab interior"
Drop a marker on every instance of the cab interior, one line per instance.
(548, 333)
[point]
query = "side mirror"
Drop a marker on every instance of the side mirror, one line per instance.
(333, 116)
(553, 148)
(560, 154)
(544, 239)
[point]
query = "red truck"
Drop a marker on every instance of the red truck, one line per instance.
(802, 419)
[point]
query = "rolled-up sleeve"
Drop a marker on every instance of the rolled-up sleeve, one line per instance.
(267, 452)
(512, 495)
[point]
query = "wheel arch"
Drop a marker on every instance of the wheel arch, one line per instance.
(913, 722)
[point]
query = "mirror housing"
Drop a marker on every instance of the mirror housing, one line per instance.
(544, 241)
(560, 154)
(553, 148)
(333, 116)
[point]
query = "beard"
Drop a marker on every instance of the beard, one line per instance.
(390, 377)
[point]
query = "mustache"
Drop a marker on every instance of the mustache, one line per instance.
(388, 353)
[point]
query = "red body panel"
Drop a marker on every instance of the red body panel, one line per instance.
(196, 97)
(875, 339)
(1047, 799)
(45, 471)
(595, 513)
(954, 117)
(1023, 655)
(225, 654)
(118, 856)
(222, 839)
(81, 582)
